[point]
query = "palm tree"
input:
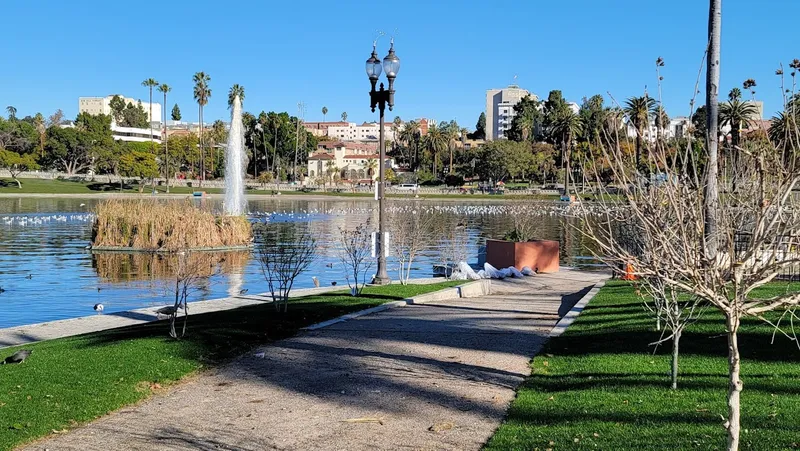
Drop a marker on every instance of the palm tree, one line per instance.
(235, 91)
(639, 110)
(263, 123)
(151, 83)
(371, 166)
(409, 135)
(783, 132)
(567, 127)
(38, 122)
(164, 89)
(324, 113)
(451, 132)
(435, 141)
(276, 124)
(396, 123)
(12, 113)
(737, 114)
(201, 94)
(344, 116)
(661, 120)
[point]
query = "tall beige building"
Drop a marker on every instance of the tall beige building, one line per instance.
(100, 105)
(500, 109)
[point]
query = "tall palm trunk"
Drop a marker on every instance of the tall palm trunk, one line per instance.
(638, 148)
(711, 191)
(166, 145)
(202, 150)
(152, 142)
(451, 158)
(275, 153)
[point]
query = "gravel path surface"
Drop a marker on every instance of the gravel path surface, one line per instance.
(422, 377)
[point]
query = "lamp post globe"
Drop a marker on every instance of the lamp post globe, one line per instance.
(391, 64)
(373, 67)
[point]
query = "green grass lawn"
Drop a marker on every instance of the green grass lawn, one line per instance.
(69, 381)
(599, 386)
(101, 185)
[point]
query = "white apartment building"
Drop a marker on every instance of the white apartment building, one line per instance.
(368, 131)
(135, 134)
(500, 109)
(100, 105)
(126, 133)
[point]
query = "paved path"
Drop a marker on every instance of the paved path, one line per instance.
(430, 376)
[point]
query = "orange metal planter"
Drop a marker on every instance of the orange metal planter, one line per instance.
(539, 255)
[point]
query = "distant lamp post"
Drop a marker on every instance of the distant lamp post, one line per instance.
(381, 98)
(260, 128)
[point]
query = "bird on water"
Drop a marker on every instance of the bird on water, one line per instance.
(18, 357)
(98, 308)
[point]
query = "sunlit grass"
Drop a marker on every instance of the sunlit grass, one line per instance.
(600, 386)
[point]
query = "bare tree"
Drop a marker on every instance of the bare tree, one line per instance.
(755, 238)
(354, 253)
(411, 233)
(453, 244)
(676, 310)
(284, 252)
(527, 225)
(192, 272)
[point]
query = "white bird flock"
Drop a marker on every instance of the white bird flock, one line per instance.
(45, 219)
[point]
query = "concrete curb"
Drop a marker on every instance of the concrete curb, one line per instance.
(573, 314)
(467, 290)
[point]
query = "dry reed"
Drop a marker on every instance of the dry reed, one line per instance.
(119, 267)
(169, 226)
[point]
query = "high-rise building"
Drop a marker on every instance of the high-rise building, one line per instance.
(500, 109)
(100, 105)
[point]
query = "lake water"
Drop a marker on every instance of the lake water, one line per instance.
(48, 274)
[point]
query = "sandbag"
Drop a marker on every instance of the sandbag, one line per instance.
(492, 272)
(464, 268)
(515, 272)
(527, 271)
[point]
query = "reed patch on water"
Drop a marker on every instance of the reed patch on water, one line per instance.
(165, 226)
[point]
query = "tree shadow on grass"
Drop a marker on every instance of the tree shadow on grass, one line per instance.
(753, 345)
(688, 381)
(107, 187)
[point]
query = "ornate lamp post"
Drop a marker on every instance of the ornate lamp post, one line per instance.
(381, 98)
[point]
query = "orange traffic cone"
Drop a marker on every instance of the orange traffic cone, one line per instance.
(629, 272)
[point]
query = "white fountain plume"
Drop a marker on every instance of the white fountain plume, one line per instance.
(235, 203)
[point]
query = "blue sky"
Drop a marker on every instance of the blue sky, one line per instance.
(451, 51)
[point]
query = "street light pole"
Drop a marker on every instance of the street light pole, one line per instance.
(381, 98)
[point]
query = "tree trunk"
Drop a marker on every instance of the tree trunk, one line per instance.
(166, 146)
(451, 159)
(676, 340)
(19, 185)
(735, 384)
(711, 190)
(202, 150)
(638, 149)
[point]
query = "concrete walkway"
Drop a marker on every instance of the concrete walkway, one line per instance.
(433, 376)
